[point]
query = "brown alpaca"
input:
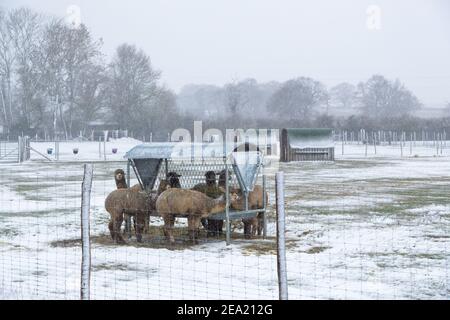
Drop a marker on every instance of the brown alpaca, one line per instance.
(255, 201)
(192, 203)
(121, 183)
(122, 202)
(130, 202)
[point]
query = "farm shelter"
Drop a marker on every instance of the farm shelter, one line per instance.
(306, 145)
(243, 165)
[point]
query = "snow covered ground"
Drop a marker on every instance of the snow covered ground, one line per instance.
(374, 227)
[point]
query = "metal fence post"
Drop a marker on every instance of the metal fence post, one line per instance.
(227, 210)
(85, 232)
(19, 149)
(104, 144)
(281, 239)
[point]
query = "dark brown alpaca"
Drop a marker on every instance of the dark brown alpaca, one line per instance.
(210, 188)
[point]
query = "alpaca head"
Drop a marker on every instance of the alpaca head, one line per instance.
(163, 186)
(119, 177)
(235, 196)
(221, 202)
(223, 178)
(173, 179)
(210, 178)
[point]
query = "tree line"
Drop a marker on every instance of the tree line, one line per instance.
(55, 80)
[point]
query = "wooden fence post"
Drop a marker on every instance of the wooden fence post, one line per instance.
(281, 237)
(85, 232)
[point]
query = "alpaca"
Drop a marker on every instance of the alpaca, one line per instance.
(255, 201)
(123, 202)
(120, 178)
(194, 204)
(210, 188)
(121, 183)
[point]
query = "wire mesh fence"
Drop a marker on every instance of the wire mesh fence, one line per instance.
(366, 228)
(41, 247)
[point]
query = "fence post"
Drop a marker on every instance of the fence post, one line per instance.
(227, 211)
(100, 147)
(104, 144)
(85, 232)
(281, 240)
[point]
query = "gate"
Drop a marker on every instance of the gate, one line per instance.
(15, 151)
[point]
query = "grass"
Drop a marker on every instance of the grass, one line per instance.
(155, 239)
(9, 233)
(393, 196)
(264, 247)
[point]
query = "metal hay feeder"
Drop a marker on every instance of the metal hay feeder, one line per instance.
(243, 163)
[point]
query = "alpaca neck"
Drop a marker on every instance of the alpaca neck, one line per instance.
(121, 184)
(218, 205)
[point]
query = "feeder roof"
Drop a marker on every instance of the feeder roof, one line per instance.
(171, 150)
(310, 137)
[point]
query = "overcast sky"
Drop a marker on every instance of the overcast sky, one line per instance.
(215, 41)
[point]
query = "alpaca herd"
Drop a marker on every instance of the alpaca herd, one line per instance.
(170, 201)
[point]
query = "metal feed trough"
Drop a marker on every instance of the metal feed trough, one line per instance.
(243, 164)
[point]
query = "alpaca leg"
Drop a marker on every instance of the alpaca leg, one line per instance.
(117, 223)
(127, 230)
(111, 228)
(197, 227)
(139, 227)
(193, 224)
(260, 219)
(219, 226)
(146, 223)
(216, 227)
(247, 228)
(254, 226)
(168, 228)
(205, 223)
(212, 226)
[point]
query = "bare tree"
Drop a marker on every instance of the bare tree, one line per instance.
(69, 51)
(7, 59)
(381, 98)
(91, 94)
(132, 85)
(297, 98)
(26, 32)
(344, 93)
(235, 97)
